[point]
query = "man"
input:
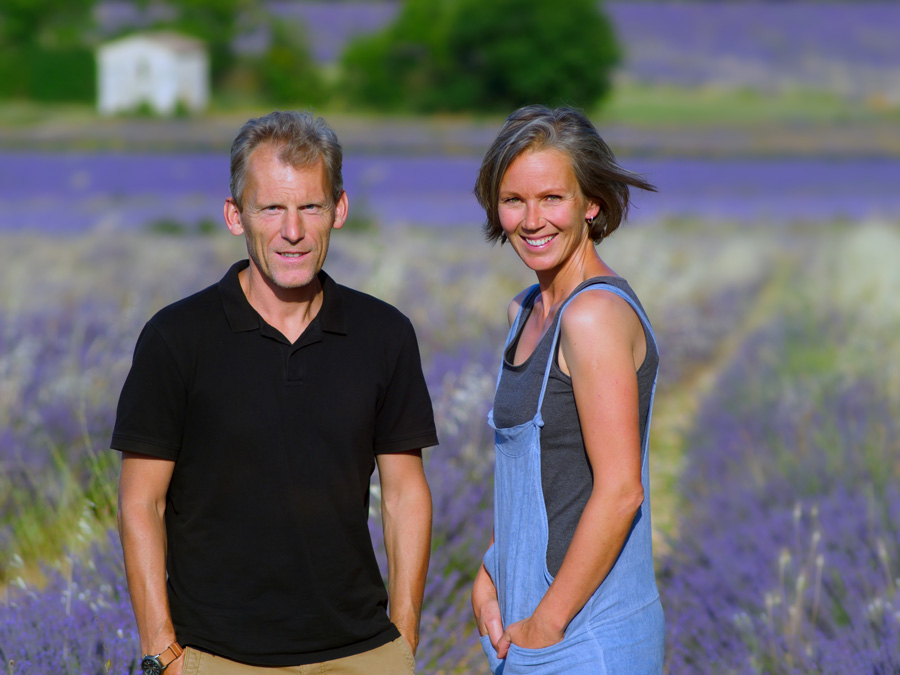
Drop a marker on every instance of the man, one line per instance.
(250, 424)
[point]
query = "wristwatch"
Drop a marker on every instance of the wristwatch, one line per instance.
(154, 665)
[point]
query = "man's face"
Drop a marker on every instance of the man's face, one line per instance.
(287, 218)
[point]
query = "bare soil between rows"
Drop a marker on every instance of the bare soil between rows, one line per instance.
(465, 136)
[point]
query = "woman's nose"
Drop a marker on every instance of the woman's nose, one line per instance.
(532, 217)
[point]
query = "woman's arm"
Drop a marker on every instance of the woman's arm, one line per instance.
(486, 606)
(601, 346)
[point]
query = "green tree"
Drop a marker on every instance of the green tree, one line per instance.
(484, 56)
(288, 76)
(397, 67)
(507, 53)
(49, 24)
(44, 54)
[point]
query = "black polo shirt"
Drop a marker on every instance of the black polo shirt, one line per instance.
(270, 561)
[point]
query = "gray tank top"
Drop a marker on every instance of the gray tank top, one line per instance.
(566, 479)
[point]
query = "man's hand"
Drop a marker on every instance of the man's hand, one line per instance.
(175, 667)
(412, 646)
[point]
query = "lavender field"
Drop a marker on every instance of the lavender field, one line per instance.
(766, 262)
(774, 453)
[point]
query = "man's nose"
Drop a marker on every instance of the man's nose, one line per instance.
(292, 226)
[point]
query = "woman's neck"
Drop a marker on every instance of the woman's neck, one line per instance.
(556, 285)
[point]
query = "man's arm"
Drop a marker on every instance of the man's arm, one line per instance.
(406, 516)
(143, 484)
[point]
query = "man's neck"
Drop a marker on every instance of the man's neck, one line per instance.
(288, 310)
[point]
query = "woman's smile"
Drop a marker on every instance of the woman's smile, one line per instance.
(543, 211)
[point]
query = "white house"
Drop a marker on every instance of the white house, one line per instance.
(160, 69)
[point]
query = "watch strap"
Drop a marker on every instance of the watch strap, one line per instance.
(169, 654)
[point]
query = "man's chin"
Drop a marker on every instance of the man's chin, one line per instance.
(294, 282)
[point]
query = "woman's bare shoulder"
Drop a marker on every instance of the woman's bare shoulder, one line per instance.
(516, 303)
(599, 315)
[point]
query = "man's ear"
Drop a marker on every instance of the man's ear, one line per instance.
(233, 218)
(341, 211)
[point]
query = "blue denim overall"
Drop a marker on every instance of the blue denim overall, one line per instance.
(620, 630)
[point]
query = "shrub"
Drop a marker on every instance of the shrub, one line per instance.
(49, 75)
(472, 55)
(288, 75)
(388, 69)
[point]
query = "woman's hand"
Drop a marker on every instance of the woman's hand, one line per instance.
(486, 607)
(489, 622)
(528, 633)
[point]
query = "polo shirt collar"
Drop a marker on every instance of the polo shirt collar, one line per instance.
(331, 314)
(242, 317)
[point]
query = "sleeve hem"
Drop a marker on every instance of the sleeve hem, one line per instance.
(143, 447)
(417, 442)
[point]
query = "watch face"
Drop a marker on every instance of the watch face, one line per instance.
(150, 665)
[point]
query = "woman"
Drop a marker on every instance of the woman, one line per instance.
(568, 585)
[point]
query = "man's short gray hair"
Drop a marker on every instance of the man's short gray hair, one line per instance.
(301, 139)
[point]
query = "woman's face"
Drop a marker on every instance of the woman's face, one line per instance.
(542, 210)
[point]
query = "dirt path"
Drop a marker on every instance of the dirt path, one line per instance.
(675, 412)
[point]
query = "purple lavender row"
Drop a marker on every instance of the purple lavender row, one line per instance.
(80, 622)
(59, 370)
(77, 193)
(844, 47)
(686, 348)
(787, 558)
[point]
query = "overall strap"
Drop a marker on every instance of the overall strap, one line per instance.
(645, 322)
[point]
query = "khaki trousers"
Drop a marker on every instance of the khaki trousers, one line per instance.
(394, 658)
